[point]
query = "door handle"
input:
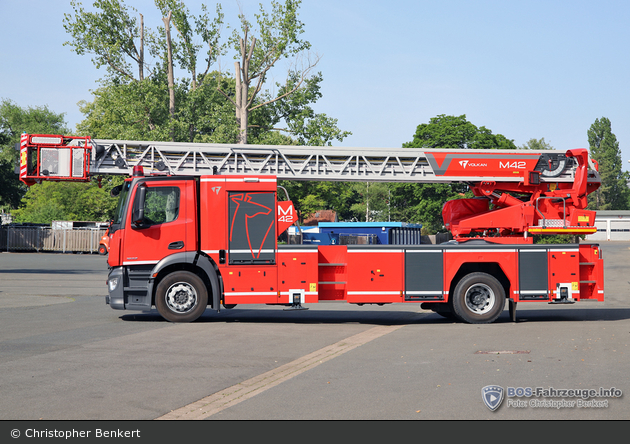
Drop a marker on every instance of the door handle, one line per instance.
(176, 245)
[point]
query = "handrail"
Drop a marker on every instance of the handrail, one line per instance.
(564, 210)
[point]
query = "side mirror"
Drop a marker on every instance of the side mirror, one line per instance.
(115, 191)
(137, 214)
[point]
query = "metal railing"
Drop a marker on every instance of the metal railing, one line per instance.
(552, 223)
(70, 240)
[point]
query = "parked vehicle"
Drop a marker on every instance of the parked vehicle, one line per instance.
(103, 246)
(200, 230)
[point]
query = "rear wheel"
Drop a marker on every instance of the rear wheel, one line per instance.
(181, 297)
(479, 298)
(102, 249)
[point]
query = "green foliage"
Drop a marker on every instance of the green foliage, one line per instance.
(110, 34)
(139, 111)
(537, 145)
(309, 197)
(134, 111)
(456, 132)
(50, 201)
(161, 205)
(188, 45)
(132, 101)
(278, 34)
(135, 106)
(374, 203)
(422, 203)
(405, 202)
(556, 239)
(302, 123)
(613, 194)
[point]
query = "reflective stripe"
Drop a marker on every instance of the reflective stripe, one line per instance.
(139, 262)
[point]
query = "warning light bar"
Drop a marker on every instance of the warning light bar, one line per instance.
(47, 140)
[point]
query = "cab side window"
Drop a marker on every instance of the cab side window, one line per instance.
(161, 205)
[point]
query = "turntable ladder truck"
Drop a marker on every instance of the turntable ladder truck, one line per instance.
(196, 226)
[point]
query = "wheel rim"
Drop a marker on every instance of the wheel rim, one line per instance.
(480, 299)
(181, 297)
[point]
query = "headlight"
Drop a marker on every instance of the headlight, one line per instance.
(112, 283)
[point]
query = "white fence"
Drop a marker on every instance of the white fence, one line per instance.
(17, 238)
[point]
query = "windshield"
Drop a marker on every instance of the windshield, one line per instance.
(122, 199)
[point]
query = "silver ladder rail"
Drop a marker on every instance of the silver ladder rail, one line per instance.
(287, 162)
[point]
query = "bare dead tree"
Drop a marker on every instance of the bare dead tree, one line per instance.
(279, 39)
(171, 79)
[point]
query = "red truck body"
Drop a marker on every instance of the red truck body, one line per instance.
(202, 230)
(224, 229)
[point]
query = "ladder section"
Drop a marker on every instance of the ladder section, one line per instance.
(46, 157)
(328, 163)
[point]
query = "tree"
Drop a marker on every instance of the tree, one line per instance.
(279, 38)
(140, 111)
(537, 145)
(149, 106)
(311, 196)
(422, 203)
(141, 98)
(456, 132)
(303, 125)
(117, 41)
(15, 120)
(111, 35)
(186, 50)
(613, 194)
(50, 201)
(374, 204)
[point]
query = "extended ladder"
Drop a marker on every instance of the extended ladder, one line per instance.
(46, 157)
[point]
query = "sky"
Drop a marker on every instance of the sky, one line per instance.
(525, 69)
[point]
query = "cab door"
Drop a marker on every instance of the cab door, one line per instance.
(160, 221)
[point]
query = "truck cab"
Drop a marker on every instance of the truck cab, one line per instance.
(154, 230)
(182, 243)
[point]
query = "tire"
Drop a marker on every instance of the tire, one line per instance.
(102, 250)
(479, 298)
(181, 297)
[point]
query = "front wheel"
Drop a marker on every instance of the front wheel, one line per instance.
(479, 298)
(181, 297)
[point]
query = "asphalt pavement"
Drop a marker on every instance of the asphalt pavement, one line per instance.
(66, 355)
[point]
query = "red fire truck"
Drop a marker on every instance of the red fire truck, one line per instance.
(196, 227)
